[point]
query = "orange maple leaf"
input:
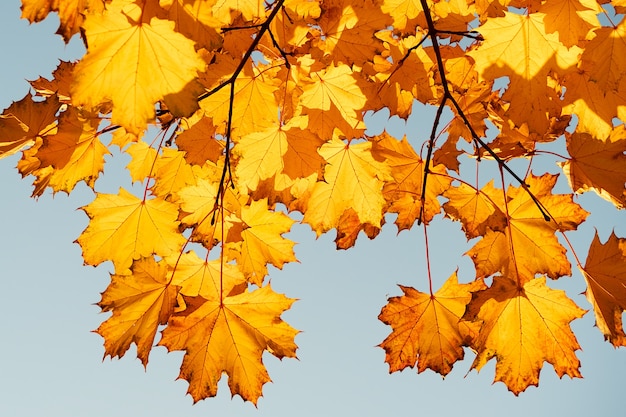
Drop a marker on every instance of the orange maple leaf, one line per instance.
(428, 328)
(75, 153)
(199, 143)
(523, 326)
(572, 19)
(602, 57)
(478, 210)
(141, 301)
(230, 335)
(24, 121)
(598, 165)
(403, 194)
(605, 273)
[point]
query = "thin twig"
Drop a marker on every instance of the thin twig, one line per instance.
(447, 95)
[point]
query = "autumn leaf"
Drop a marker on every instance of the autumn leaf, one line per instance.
(230, 336)
(428, 329)
(600, 57)
(572, 19)
(352, 179)
(478, 210)
(333, 100)
(347, 29)
(59, 85)
(75, 152)
(598, 165)
(605, 274)
(140, 301)
(123, 227)
(199, 142)
(404, 193)
(195, 20)
(528, 246)
(523, 327)
(205, 278)
(252, 86)
(262, 242)
(24, 121)
(519, 46)
(128, 51)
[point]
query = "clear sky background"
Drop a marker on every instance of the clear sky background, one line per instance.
(51, 363)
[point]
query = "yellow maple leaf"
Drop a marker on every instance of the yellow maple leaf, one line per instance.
(205, 278)
(279, 149)
(229, 336)
(528, 246)
(401, 11)
(143, 157)
(428, 329)
(352, 179)
(523, 326)
(333, 100)
(134, 64)
(602, 57)
(605, 274)
(262, 242)
(172, 172)
(598, 165)
(201, 211)
(141, 301)
(255, 106)
(123, 227)
(594, 107)
(518, 46)
(195, 20)
(572, 19)
(261, 155)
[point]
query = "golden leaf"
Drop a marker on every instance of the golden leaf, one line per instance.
(598, 165)
(229, 336)
(523, 326)
(141, 301)
(352, 179)
(123, 227)
(134, 64)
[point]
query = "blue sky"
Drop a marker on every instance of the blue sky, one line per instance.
(51, 363)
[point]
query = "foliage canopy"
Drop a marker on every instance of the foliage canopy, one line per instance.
(259, 112)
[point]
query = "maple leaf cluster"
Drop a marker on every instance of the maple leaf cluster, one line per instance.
(238, 115)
